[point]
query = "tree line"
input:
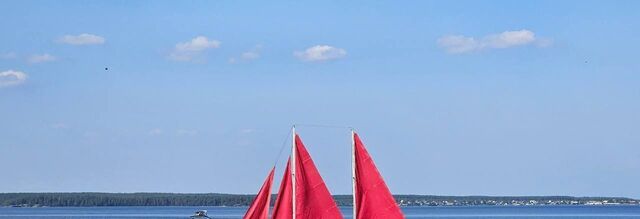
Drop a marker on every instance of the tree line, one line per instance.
(122, 199)
(215, 199)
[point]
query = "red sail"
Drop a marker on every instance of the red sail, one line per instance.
(313, 200)
(283, 209)
(259, 208)
(373, 199)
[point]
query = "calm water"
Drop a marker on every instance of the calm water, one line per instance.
(551, 212)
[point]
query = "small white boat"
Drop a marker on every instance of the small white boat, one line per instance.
(200, 214)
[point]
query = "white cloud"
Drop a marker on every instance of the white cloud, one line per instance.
(320, 53)
(457, 44)
(187, 51)
(510, 38)
(82, 39)
(197, 44)
(12, 78)
(41, 58)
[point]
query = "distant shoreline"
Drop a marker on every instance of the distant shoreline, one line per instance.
(95, 199)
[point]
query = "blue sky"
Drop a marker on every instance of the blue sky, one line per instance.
(452, 98)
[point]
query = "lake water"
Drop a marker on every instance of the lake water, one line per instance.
(470, 212)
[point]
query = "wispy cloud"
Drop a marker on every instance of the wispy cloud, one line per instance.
(91, 134)
(245, 137)
(41, 58)
(544, 42)
(320, 53)
(252, 54)
(188, 51)
(186, 132)
(155, 131)
(12, 78)
(59, 125)
(458, 44)
(247, 131)
(82, 39)
(9, 55)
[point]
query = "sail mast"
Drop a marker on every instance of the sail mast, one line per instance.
(293, 170)
(353, 172)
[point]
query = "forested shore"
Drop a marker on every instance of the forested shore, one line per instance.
(216, 199)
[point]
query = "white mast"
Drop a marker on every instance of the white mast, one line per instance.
(293, 170)
(353, 171)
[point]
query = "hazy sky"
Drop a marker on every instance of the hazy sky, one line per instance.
(457, 98)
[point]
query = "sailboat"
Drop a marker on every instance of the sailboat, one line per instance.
(304, 195)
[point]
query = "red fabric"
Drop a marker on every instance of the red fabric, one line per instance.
(283, 209)
(259, 208)
(373, 199)
(313, 200)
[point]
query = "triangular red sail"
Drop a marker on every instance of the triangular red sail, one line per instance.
(283, 208)
(373, 199)
(259, 208)
(313, 200)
